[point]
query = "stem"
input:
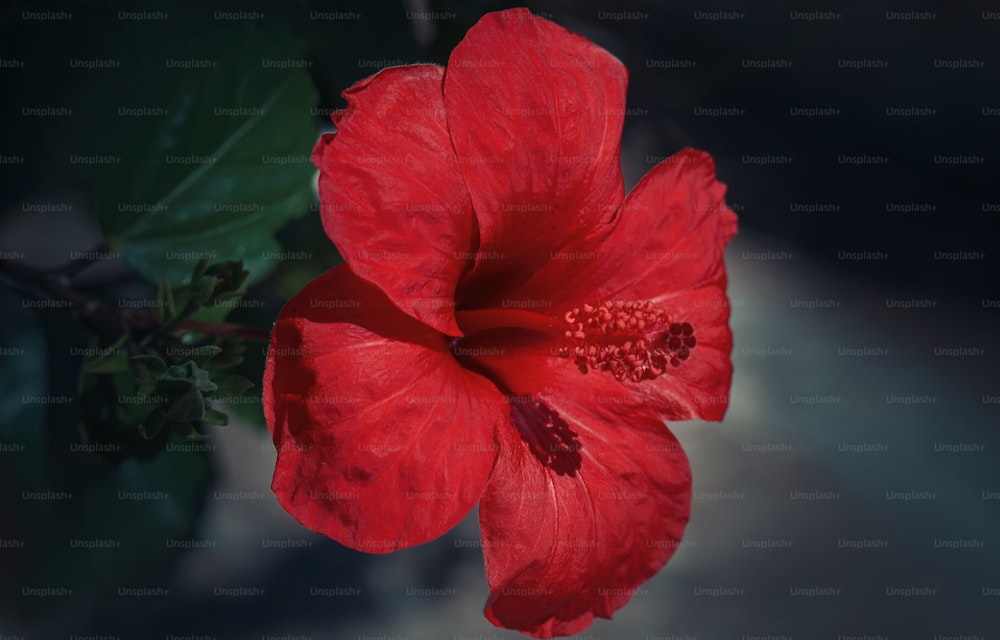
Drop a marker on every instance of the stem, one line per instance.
(227, 329)
(103, 318)
(175, 322)
(71, 269)
(97, 315)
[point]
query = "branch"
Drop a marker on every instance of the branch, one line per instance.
(227, 329)
(102, 318)
(98, 316)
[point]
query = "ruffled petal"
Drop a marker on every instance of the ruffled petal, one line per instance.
(697, 389)
(383, 440)
(675, 226)
(535, 114)
(588, 506)
(666, 245)
(393, 198)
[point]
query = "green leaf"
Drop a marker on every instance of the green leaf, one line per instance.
(166, 310)
(148, 367)
(185, 401)
(184, 387)
(110, 359)
(187, 431)
(110, 412)
(224, 168)
(230, 355)
(213, 416)
(199, 269)
(231, 278)
(203, 354)
(230, 386)
(202, 290)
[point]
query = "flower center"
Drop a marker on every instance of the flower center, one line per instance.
(627, 339)
(633, 340)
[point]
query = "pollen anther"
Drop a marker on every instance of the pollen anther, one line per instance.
(630, 340)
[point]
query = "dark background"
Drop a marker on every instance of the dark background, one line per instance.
(853, 489)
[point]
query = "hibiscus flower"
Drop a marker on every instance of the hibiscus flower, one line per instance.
(508, 327)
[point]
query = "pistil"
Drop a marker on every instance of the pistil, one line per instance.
(630, 340)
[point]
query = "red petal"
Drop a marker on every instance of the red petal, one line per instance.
(676, 224)
(393, 199)
(383, 440)
(699, 387)
(666, 245)
(562, 548)
(535, 113)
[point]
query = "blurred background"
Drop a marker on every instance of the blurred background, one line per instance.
(853, 489)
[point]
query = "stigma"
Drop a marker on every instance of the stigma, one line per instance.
(630, 340)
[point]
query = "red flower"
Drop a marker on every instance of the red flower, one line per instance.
(508, 328)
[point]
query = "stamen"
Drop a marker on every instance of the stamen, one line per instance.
(630, 340)
(627, 339)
